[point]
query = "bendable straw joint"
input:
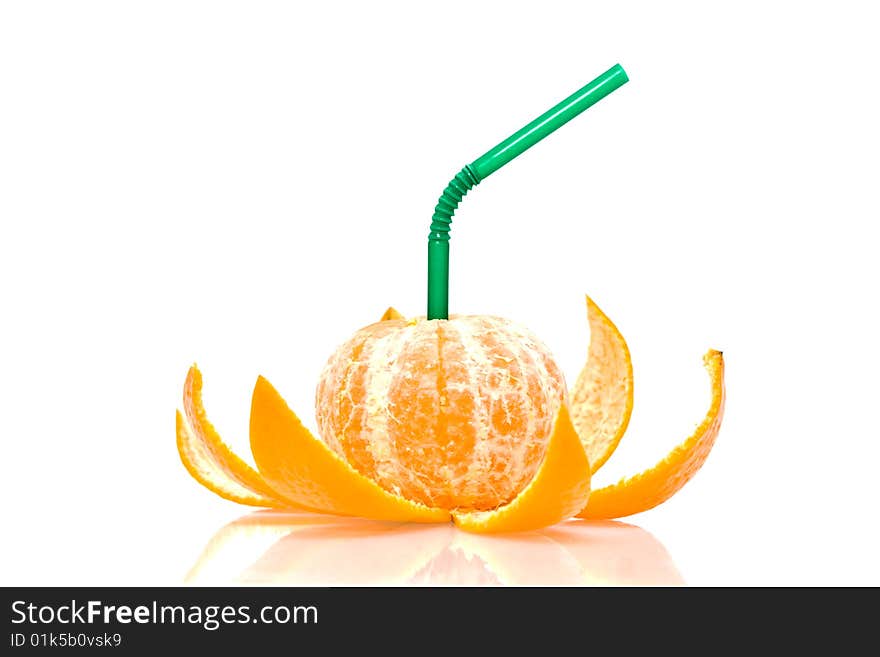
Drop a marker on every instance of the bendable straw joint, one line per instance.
(464, 181)
(491, 161)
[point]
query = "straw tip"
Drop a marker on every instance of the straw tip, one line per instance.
(617, 68)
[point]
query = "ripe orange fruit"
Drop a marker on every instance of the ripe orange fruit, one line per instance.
(494, 386)
(454, 414)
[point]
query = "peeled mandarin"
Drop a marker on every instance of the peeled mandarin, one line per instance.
(455, 414)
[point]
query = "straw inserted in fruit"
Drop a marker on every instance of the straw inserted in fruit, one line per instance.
(467, 420)
(490, 162)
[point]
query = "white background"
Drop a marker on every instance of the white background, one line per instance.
(243, 185)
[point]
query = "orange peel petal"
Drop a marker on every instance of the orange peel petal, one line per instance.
(210, 461)
(199, 462)
(305, 470)
(559, 489)
(656, 485)
(391, 313)
(602, 396)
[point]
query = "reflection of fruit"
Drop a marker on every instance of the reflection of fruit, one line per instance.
(353, 552)
(530, 559)
(612, 553)
(452, 566)
(412, 464)
(237, 544)
(266, 548)
(451, 413)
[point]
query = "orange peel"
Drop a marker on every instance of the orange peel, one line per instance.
(602, 396)
(296, 470)
(306, 471)
(656, 485)
(210, 461)
(559, 490)
(391, 313)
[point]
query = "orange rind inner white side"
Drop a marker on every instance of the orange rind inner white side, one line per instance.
(602, 396)
(210, 461)
(656, 485)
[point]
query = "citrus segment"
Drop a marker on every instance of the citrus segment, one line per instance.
(656, 485)
(207, 458)
(602, 396)
(305, 470)
(559, 490)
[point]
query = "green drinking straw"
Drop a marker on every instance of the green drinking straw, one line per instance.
(490, 162)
